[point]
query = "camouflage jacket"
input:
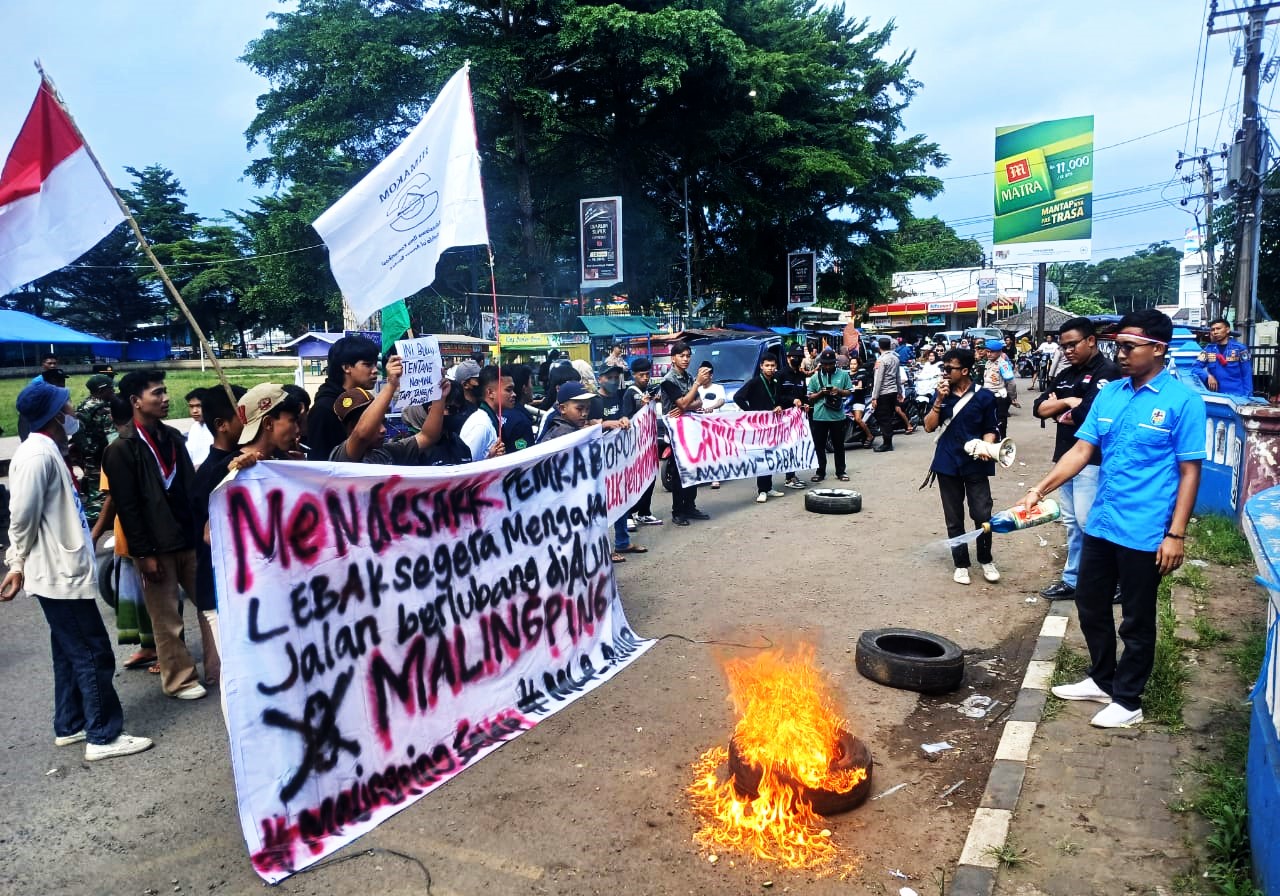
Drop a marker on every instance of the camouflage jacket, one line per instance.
(95, 428)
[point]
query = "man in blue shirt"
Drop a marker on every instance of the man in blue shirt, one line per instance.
(1224, 365)
(966, 413)
(1150, 429)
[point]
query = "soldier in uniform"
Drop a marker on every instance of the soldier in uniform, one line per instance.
(1224, 365)
(90, 440)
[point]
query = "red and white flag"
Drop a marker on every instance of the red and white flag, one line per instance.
(54, 205)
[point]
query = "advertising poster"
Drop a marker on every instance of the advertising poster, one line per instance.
(1044, 192)
(601, 221)
(802, 279)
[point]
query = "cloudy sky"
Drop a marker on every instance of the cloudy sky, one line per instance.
(162, 84)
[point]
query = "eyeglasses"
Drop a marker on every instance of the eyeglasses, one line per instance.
(1137, 341)
(953, 367)
(1068, 346)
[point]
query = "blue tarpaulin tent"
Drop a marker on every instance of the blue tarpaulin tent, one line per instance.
(18, 326)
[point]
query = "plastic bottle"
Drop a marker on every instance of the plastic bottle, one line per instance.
(1019, 517)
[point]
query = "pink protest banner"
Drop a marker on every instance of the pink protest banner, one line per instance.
(630, 461)
(724, 446)
(384, 627)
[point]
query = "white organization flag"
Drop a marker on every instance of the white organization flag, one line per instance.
(386, 235)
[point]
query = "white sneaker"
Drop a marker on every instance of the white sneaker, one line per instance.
(990, 573)
(774, 493)
(961, 575)
(124, 745)
(69, 739)
(1116, 716)
(631, 525)
(1081, 690)
(191, 692)
(762, 497)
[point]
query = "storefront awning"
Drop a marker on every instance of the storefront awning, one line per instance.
(620, 325)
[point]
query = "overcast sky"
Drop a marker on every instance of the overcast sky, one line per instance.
(162, 84)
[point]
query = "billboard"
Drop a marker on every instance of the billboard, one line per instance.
(1044, 192)
(802, 279)
(600, 223)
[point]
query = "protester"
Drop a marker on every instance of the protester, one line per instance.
(965, 413)
(480, 431)
(809, 363)
(463, 398)
(679, 392)
(827, 390)
(1150, 429)
(1067, 401)
(353, 364)
(763, 393)
(304, 416)
(519, 423)
(611, 393)
(51, 557)
(151, 475)
(794, 385)
(713, 397)
(998, 379)
(637, 396)
(199, 439)
(885, 388)
(1224, 365)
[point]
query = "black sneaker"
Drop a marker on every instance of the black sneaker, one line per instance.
(679, 520)
(1059, 591)
(697, 514)
(880, 449)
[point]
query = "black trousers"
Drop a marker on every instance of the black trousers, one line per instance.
(644, 507)
(822, 429)
(683, 499)
(1103, 565)
(1002, 416)
(886, 411)
(955, 491)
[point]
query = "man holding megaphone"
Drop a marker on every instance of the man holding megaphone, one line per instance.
(962, 470)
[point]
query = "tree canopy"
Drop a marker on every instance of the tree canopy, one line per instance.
(1147, 278)
(929, 244)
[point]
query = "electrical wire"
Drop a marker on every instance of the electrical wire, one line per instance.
(1202, 62)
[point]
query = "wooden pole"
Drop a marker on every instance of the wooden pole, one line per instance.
(46, 83)
(497, 333)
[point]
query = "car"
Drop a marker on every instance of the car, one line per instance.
(983, 333)
(946, 337)
(734, 361)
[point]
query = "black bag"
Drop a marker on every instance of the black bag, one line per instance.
(670, 475)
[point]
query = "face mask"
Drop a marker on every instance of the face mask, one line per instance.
(612, 387)
(70, 424)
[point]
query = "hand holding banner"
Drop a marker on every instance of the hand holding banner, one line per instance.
(721, 447)
(422, 370)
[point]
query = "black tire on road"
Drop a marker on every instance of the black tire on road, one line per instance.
(910, 659)
(851, 752)
(106, 580)
(832, 500)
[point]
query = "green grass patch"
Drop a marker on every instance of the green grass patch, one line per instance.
(1246, 657)
(180, 382)
(1221, 800)
(1193, 578)
(1207, 634)
(1219, 540)
(1068, 666)
(1165, 695)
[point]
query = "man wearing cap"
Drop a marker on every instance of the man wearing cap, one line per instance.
(573, 403)
(96, 429)
(1224, 365)
(363, 416)
(51, 557)
(269, 417)
(680, 393)
(353, 363)
(827, 390)
(151, 475)
(480, 431)
(463, 398)
(794, 385)
(637, 396)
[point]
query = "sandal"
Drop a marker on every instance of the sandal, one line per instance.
(618, 558)
(140, 660)
(816, 478)
(843, 478)
(632, 549)
(154, 669)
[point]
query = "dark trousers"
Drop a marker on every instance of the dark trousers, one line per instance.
(764, 483)
(955, 491)
(644, 507)
(886, 411)
(683, 499)
(84, 699)
(822, 429)
(1002, 416)
(1103, 565)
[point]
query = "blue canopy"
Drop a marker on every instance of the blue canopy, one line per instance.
(18, 326)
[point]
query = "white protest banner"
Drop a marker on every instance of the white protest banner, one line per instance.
(385, 627)
(723, 446)
(630, 461)
(387, 233)
(422, 370)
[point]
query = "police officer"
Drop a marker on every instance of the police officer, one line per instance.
(1224, 364)
(1067, 402)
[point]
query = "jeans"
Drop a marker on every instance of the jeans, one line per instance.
(84, 699)
(955, 490)
(621, 537)
(1076, 497)
(1103, 564)
(835, 429)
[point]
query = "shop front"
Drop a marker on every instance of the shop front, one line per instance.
(532, 348)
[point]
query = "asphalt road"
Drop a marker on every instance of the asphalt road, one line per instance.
(590, 801)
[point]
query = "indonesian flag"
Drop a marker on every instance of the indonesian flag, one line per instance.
(54, 205)
(386, 235)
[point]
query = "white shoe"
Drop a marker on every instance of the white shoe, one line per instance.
(1116, 716)
(124, 745)
(69, 739)
(631, 525)
(191, 692)
(961, 575)
(1082, 690)
(762, 497)
(774, 493)
(990, 573)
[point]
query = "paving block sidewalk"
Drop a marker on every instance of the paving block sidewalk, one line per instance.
(1095, 812)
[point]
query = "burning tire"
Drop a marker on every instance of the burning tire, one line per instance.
(832, 500)
(850, 753)
(910, 659)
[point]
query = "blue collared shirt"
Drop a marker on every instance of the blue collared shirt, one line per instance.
(1230, 366)
(1144, 434)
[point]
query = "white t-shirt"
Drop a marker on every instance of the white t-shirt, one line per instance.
(927, 378)
(199, 441)
(479, 434)
(712, 395)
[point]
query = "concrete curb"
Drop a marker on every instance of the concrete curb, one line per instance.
(976, 872)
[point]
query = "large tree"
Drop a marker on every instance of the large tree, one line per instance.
(780, 116)
(929, 244)
(1147, 278)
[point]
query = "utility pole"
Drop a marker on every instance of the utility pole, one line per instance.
(688, 251)
(1211, 306)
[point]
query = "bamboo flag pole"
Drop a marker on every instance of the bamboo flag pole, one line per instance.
(497, 332)
(47, 83)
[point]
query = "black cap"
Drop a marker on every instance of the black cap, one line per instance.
(827, 357)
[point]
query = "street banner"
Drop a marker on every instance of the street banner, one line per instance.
(386, 235)
(738, 445)
(1044, 192)
(802, 279)
(987, 292)
(601, 232)
(54, 205)
(630, 461)
(383, 628)
(422, 370)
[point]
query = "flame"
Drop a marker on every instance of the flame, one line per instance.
(788, 728)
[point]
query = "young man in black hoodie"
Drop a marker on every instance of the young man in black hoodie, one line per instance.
(353, 364)
(793, 383)
(764, 393)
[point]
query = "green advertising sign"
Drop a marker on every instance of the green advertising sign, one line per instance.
(1044, 191)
